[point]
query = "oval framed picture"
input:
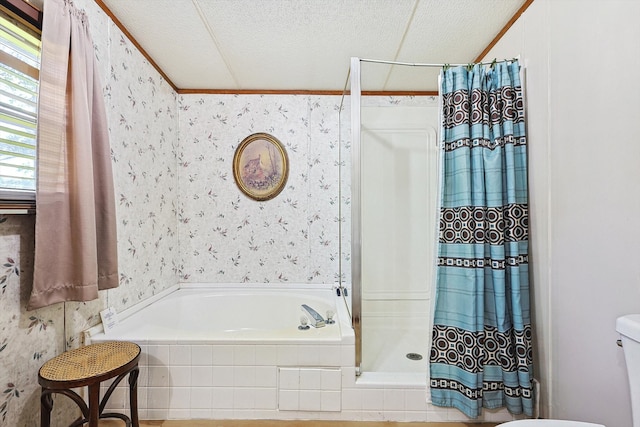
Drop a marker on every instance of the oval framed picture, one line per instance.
(261, 166)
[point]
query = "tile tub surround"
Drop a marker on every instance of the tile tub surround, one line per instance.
(235, 389)
(228, 381)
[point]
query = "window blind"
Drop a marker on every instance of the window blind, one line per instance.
(19, 70)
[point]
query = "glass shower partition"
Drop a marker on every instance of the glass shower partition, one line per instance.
(349, 183)
(388, 223)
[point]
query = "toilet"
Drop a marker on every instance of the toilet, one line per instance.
(629, 329)
(547, 423)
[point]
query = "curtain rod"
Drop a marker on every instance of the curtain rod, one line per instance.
(417, 64)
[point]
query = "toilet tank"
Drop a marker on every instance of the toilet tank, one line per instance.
(629, 329)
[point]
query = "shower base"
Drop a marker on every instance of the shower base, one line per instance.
(385, 346)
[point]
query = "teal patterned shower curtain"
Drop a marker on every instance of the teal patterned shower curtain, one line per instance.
(481, 354)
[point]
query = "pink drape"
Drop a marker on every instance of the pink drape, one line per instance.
(75, 253)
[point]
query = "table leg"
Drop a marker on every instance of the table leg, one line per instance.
(46, 404)
(133, 396)
(94, 404)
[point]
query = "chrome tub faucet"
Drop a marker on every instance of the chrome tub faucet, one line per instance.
(315, 319)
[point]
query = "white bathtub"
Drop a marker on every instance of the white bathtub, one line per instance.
(231, 313)
(235, 351)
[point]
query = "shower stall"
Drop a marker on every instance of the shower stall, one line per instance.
(389, 185)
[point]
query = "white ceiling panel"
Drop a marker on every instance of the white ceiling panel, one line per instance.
(307, 44)
(174, 36)
(455, 31)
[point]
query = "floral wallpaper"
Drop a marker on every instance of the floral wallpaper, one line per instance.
(227, 237)
(26, 338)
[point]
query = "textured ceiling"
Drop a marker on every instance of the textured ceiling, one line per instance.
(307, 44)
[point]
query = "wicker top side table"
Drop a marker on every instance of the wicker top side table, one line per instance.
(89, 366)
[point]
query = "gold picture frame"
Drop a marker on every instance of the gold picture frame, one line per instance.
(261, 166)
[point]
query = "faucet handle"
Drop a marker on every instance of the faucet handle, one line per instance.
(330, 315)
(303, 323)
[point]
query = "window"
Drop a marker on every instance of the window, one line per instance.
(19, 72)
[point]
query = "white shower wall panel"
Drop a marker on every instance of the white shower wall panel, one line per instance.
(399, 176)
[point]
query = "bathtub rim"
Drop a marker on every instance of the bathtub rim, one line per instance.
(347, 333)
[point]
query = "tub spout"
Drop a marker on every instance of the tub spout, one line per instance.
(314, 318)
